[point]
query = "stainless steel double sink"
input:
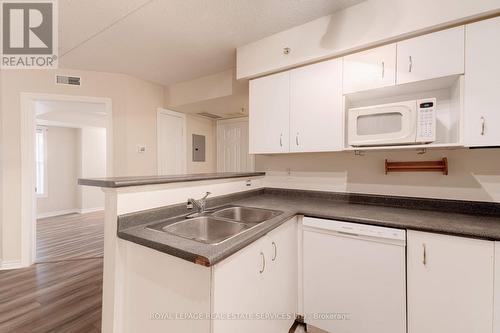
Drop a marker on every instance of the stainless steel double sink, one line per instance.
(216, 226)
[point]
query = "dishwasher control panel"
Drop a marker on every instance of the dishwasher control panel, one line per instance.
(355, 229)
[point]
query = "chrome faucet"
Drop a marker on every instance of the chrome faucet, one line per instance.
(200, 204)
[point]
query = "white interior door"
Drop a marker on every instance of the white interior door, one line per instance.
(232, 146)
(171, 134)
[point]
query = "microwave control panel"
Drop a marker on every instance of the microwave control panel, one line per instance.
(426, 120)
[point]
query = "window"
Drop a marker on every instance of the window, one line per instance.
(41, 161)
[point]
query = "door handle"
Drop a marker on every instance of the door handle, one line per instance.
(275, 251)
(424, 255)
(410, 64)
(383, 69)
(483, 125)
(263, 263)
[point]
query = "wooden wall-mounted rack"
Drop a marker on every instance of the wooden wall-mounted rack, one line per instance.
(429, 166)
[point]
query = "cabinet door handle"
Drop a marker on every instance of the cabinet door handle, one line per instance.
(263, 263)
(297, 139)
(410, 64)
(483, 125)
(281, 140)
(275, 251)
(383, 69)
(424, 255)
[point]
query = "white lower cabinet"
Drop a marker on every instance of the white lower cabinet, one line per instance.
(255, 290)
(450, 284)
(496, 301)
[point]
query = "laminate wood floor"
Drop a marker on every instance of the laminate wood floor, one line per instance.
(57, 297)
(62, 292)
(72, 236)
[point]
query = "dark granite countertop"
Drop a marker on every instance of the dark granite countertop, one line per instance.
(460, 218)
(115, 182)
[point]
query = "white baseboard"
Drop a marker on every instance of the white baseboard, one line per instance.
(10, 264)
(57, 213)
(69, 211)
(90, 210)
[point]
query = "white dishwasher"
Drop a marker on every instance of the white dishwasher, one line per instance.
(354, 277)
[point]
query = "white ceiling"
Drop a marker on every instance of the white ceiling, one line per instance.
(167, 41)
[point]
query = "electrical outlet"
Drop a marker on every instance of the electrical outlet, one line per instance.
(141, 149)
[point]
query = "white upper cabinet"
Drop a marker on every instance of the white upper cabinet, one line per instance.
(297, 111)
(316, 107)
(371, 69)
(431, 56)
(482, 84)
(450, 284)
(269, 114)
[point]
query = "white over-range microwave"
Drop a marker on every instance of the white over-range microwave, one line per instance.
(402, 123)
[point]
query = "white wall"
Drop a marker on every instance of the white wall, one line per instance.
(369, 23)
(92, 164)
(473, 174)
(62, 151)
(134, 104)
(200, 89)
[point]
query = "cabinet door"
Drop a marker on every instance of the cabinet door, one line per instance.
(450, 284)
(238, 288)
(371, 69)
(269, 114)
(282, 274)
(316, 107)
(482, 84)
(496, 302)
(431, 56)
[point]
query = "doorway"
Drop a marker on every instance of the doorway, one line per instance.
(63, 138)
(70, 143)
(171, 134)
